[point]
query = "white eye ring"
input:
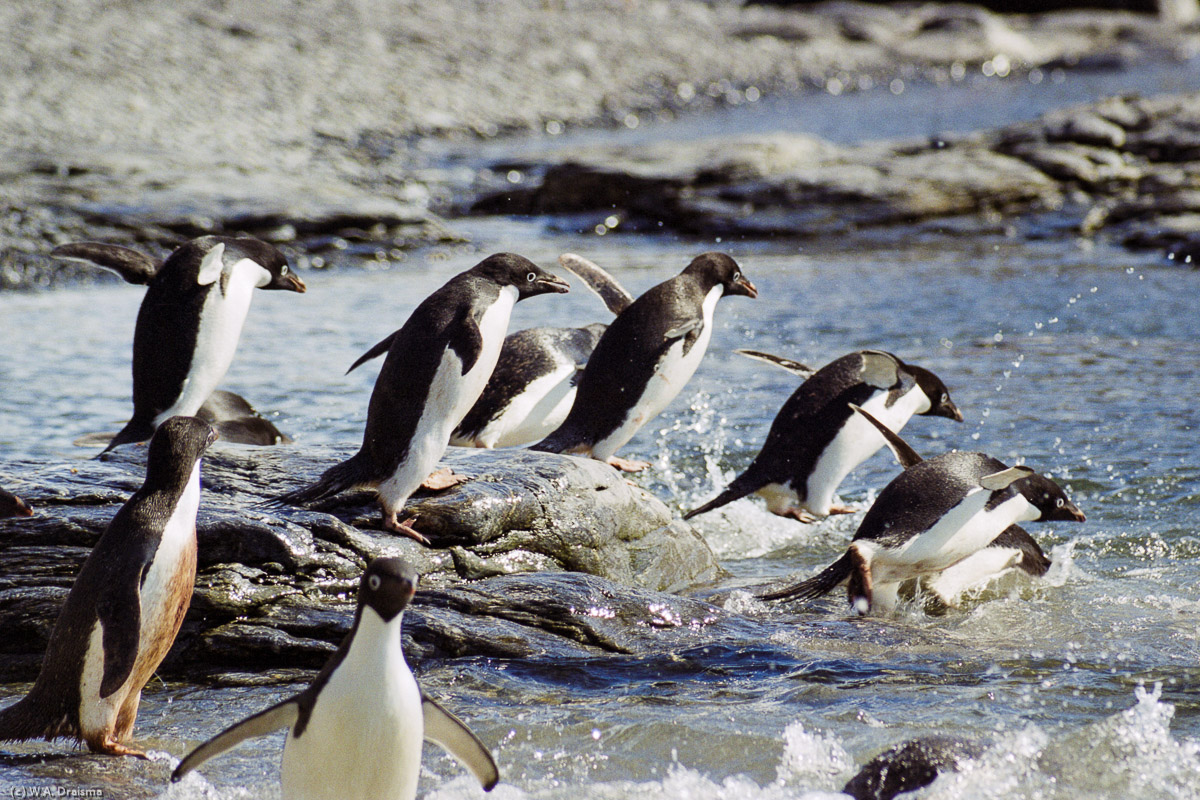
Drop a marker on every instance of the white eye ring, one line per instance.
(373, 582)
(531, 277)
(737, 276)
(1059, 502)
(283, 270)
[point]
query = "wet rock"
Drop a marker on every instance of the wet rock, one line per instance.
(275, 585)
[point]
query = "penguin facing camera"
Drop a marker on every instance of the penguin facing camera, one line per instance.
(190, 320)
(125, 607)
(644, 359)
(356, 732)
(816, 440)
(935, 514)
(436, 368)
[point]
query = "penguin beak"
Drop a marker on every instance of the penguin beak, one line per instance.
(553, 283)
(1068, 513)
(294, 284)
(743, 286)
(950, 411)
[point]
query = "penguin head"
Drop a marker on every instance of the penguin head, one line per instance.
(940, 404)
(719, 269)
(509, 269)
(387, 586)
(13, 506)
(1048, 497)
(176, 447)
(269, 259)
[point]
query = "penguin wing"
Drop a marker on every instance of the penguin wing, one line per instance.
(212, 266)
(795, 367)
(447, 730)
(684, 328)
(616, 298)
(1004, 478)
(375, 352)
(133, 266)
(466, 340)
(120, 613)
(280, 715)
(880, 369)
(900, 448)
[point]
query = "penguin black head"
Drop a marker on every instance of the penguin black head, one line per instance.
(270, 259)
(509, 269)
(13, 506)
(940, 404)
(719, 269)
(1049, 498)
(387, 586)
(177, 445)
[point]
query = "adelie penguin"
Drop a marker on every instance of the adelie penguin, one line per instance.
(125, 607)
(356, 733)
(534, 383)
(190, 319)
(816, 439)
(13, 506)
(436, 367)
(932, 516)
(644, 359)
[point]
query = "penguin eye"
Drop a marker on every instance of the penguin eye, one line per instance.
(737, 276)
(373, 582)
(283, 270)
(531, 277)
(1059, 502)
(945, 397)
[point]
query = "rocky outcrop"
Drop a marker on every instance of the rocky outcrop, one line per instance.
(536, 553)
(1126, 167)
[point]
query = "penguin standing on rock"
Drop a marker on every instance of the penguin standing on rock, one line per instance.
(644, 359)
(125, 607)
(534, 383)
(816, 440)
(932, 516)
(436, 367)
(190, 320)
(356, 733)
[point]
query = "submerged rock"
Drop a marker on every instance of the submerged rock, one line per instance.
(275, 584)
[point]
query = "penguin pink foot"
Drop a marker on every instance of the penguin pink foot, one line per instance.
(626, 464)
(442, 479)
(404, 528)
(798, 514)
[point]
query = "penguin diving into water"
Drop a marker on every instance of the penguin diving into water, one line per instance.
(125, 607)
(190, 320)
(644, 359)
(815, 440)
(534, 383)
(436, 368)
(356, 732)
(932, 516)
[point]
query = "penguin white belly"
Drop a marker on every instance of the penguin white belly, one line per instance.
(221, 319)
(159, 598)
(972, 572)
(364, 737)
(671, 374)
(963, 531)
(855, 442)
(536, 412)
(451, 395)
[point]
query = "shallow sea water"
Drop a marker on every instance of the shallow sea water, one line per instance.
(1074, 358)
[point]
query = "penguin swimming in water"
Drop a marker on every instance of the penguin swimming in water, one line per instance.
(436, 367)
(356, 732)
(13, 506)
(125, 607)
(534, 383)
(935, 514)
(190, 319)
(644, 359)
(816, 439)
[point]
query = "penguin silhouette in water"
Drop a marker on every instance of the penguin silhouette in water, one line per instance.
(125, 608)
(644, 359)
(816, 440)
(356, 733)
(535, 380)
(932, 516)
(190, 320)
(436, 367)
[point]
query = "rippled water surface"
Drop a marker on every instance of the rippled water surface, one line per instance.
(1078, 360)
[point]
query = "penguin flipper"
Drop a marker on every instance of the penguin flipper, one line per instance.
(880, 369)
(794, 367)
(684, 328)
(280, 715)
(616, 298)
(376, 351)
(900, 448)
(466, 340)
(448, 731)
(821, 583)
(120, 615)
(133, 266)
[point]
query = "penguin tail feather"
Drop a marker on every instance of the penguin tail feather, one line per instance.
(27, 719)
(556, 442)
(820, 584)
(335, 480)
(134, 431)
(742, 485)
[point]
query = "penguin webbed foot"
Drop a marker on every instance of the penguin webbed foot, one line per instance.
(442, 479)
(798, 514)
(840, 510)
(391, 523)
(626, 465)
(111, 747)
